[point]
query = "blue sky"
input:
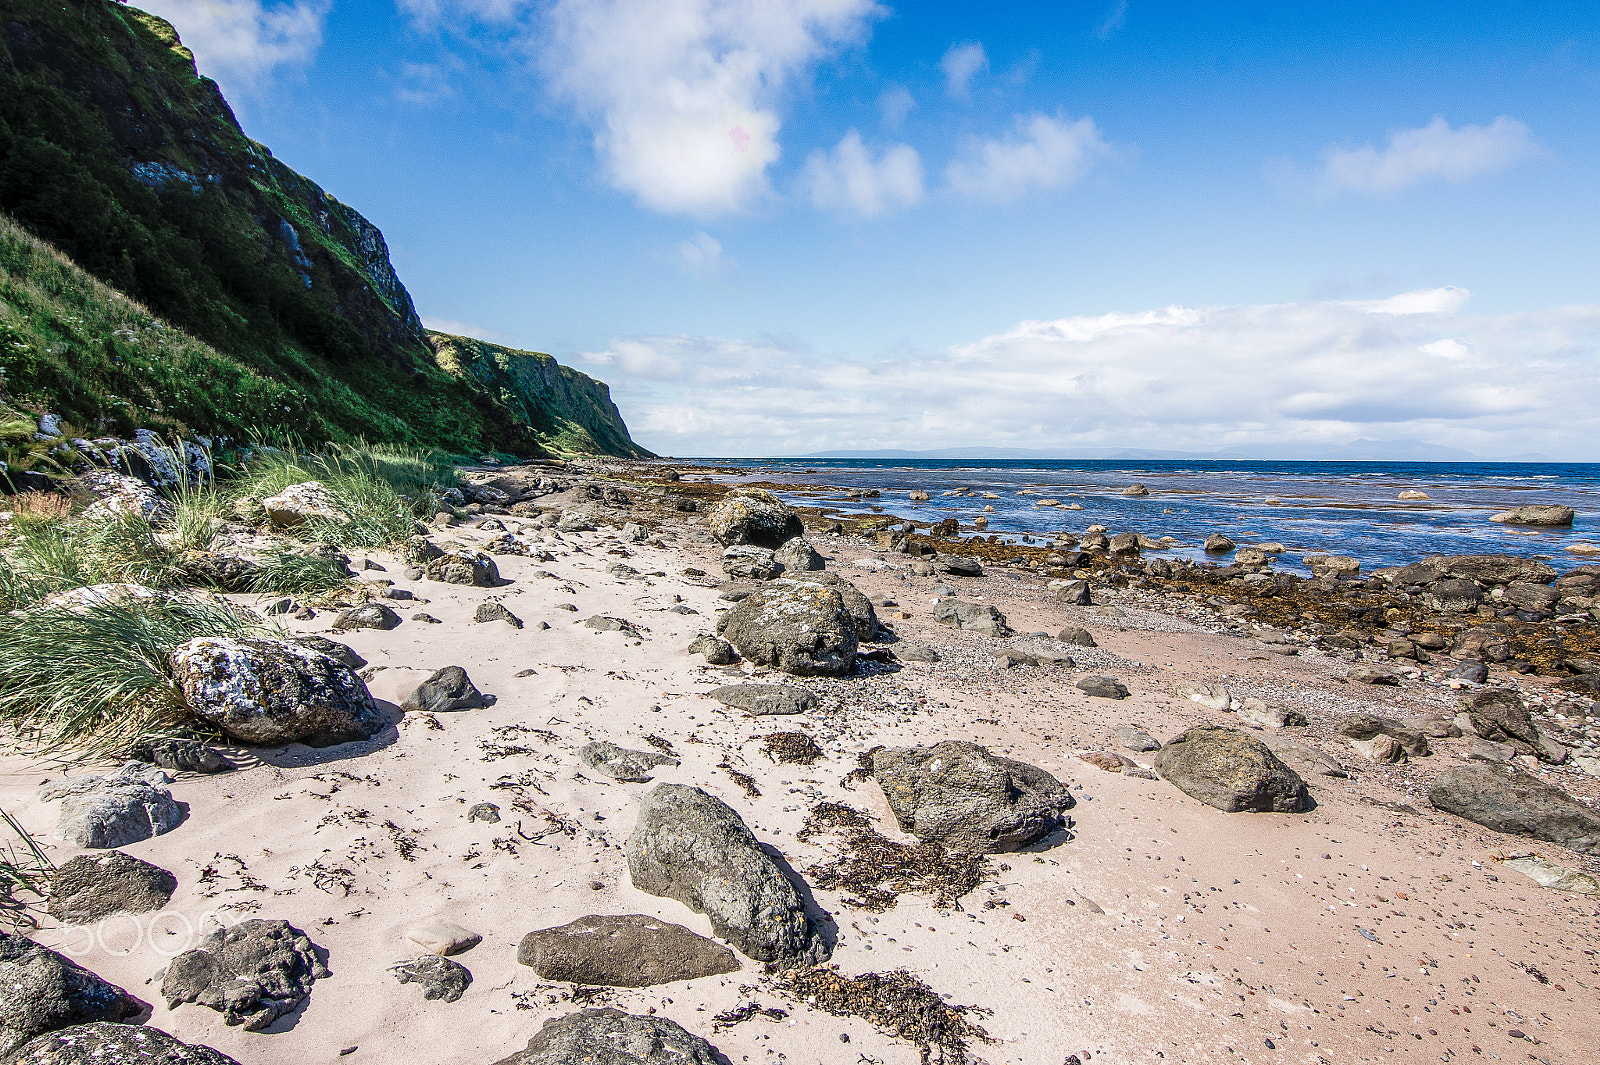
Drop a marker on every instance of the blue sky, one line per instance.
(777, 226)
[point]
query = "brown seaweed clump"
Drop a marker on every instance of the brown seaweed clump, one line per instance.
(897, 1003)
(790, 748)
(875, 869)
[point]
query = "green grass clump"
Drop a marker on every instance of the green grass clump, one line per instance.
(46, 556)
(292, 573)
(22, 872)
(91, 679)
(381, 490)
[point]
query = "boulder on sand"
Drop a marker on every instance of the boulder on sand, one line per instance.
(447, 689)
(109, 1043)
(753, 516)
(971, 617)
(962, 796)
(691, 846)
(1498, 714)
(464, 566)
(621, 763)
(1512, 800)
(859, 606)
(762, 700)
(1232, 771)
(746, 562)
(252, 973)
(44, 991)
(92, 886)
(628, 951)
(608, 1036)
(125, 807)
(802, 629)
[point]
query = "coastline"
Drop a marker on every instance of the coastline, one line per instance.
(1157, 926)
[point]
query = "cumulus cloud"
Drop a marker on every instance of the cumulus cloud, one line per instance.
(683, 94)
(1040, 153)
(241, 43)
(960, 65)
(1176, 378)
(850, 179)
(895, 104)
(1435, 152)
(701, 255)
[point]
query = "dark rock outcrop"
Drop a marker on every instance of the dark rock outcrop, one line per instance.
(628, 951)
(960, 795)
(1232, 771)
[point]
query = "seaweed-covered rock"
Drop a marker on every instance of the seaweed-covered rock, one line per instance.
(92, 886)
(620, 763)
(463, 566)
(1232, 771)
(44, 992)
(447, 689)
(440, 977)
(610, 1037)
(692, 847)
(252, 973)
(300, 503)
(628, 951)
(962, 796)
(753, 516)
(1508, 799)
(270, 692)
(803, 629)
(109, 1043)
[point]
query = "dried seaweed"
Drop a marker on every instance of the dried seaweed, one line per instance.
(744, 780)
(743, 1012)
(791, 748)
(875, 869)
(897, 1003)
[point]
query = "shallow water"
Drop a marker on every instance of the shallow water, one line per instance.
(1347, 508)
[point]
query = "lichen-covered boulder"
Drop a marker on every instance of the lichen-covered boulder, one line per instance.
(753, 516)
(109, 1043)
(463, 566)
(102, 812)
(859, 606)
(608, 1036)
(270, 692)
(252, 973)
(118, 495)
(300, 503)
(1232, 771)
(803, 629)
(41, 991)
(692, 847)
(745, 562)
(962, 796)
(798, 556)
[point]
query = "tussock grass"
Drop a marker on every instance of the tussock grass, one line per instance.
(88, 680)
(23, 872)
(286, 572)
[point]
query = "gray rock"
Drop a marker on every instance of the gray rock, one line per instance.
(45, 992)
(1259, 714)
(178, 755)
(92, 886)
(972, 617)
(1074, 593)
(1490, 751)
(440, 977)
(464, 567)
(610, 1037)
(1232, 771)
(271, 692)
(1077, 637)
(858, 605)
(1508, 799)
(1366, 726)
(1491, 569)
(447, 689)
(960, 795)
(113, 811)
(1498, 714)
(108, 1043)
(486, 812)
(367, 616)
(633, 533)
(620, 763)
(746, 562)
(718, 652)
(1217, 543)
(339, 652)
(802, 629)
(1470, 671)
(1455, 596)
(1302, 758)
(959, 566)
(572, 521)
(1136, 739)
(798, 556)
(753, 516)
(762, 700)
(488, 612)
(252, 973)
(915, 652)
(622, 571)
(1103, 687)
(601, 623)
(1526, 596)
(1371, 675)
(692, 847)
(1536, 514)
(628, 951)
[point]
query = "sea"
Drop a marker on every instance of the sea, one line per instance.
(1344, 508)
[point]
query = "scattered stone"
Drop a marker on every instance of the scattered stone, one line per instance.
(1508, 799)
(1470, 671)
(108, 1043)
(1077, 637)
(753, 516)
(44, 992)
(92, 886)
(718, 652)
(915, 652)
(959, 566)
(1215, 696)
(1015, 656)
(443, 937)
(745, 562)
(575, 521)
(972, 617)
(486, 812)
(633, 533)
(488, 612)
(300, 503)
(252, 973)
(610, 1037)
(1259, 714)
(367, 616)
(628, 951)
(447, 689)
(798, 556)
(103, 812)
(960, 795)
(1366, 727)
(1109, 761)
(692, 847)
(601, 623)
(464, 567)
(762, 700)
(1498, 714)
(802, 629)
(440, 977)
(271, 692)
(1074, 593)
(429, 619)
(620, 763)
(1553, 876)
(1536, 514)
(1232, 771)
(1136, 739)
(178, 755)
(1371, 675)
(1303, 759)
(1380, 748)
(1103, 687)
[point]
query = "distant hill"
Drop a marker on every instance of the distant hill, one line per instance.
(116, 152)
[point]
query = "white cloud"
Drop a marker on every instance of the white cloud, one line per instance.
(849, 179)
(701, 255)
(458, 328)
(1040, 153)
(1171, 378)
(684, 94)
(1435, 152)
(960, 65)
(1113, 20)
(895, 104)
(241, 43)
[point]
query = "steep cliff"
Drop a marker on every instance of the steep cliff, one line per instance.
(568, 412)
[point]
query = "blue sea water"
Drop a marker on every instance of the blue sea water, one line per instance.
(1347, 508)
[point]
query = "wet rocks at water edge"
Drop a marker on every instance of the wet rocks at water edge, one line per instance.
(1536, 514)
(753, 516)
(606, 1036)
(620, 763)
(1217, 543)
(1509, 799)
(972, 617)
(252, 973)
(692, 847)
(802, 629)
(439, 977)
(628, 951)
(446, 690)
(110, 1043)
(92, 886)
(761, 700)
(44, 992)
(1232, 771)
(271, 692)
(962, 796)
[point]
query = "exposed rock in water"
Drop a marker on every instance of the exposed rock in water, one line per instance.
(252, 973)
(1232, 771)
(1508, 799)
(960, 795)
(1536, 514)
(628, 951)
(610, 1037)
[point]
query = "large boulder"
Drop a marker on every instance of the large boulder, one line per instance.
(300, 503)
(1526, 596)
(92, 886)
(252, 973)
(1491, 569)
(1536, 514)
(270, 692)
(1497, 714)
(463, 566)
(44, 992)
(973, 617)
(1508, 799)
(608, 1036)
(1232, 771)
(960, 795)
(859, 606)
(692, 847)
(753, 516)
(120, 496)
(803, 629)
(798, 556)
(629, 951)
(446, 690)
(109, 1043)
(103, 812)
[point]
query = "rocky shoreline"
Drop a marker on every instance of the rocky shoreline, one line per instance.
(1013, 804)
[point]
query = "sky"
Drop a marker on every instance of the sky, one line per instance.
(783, 226)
